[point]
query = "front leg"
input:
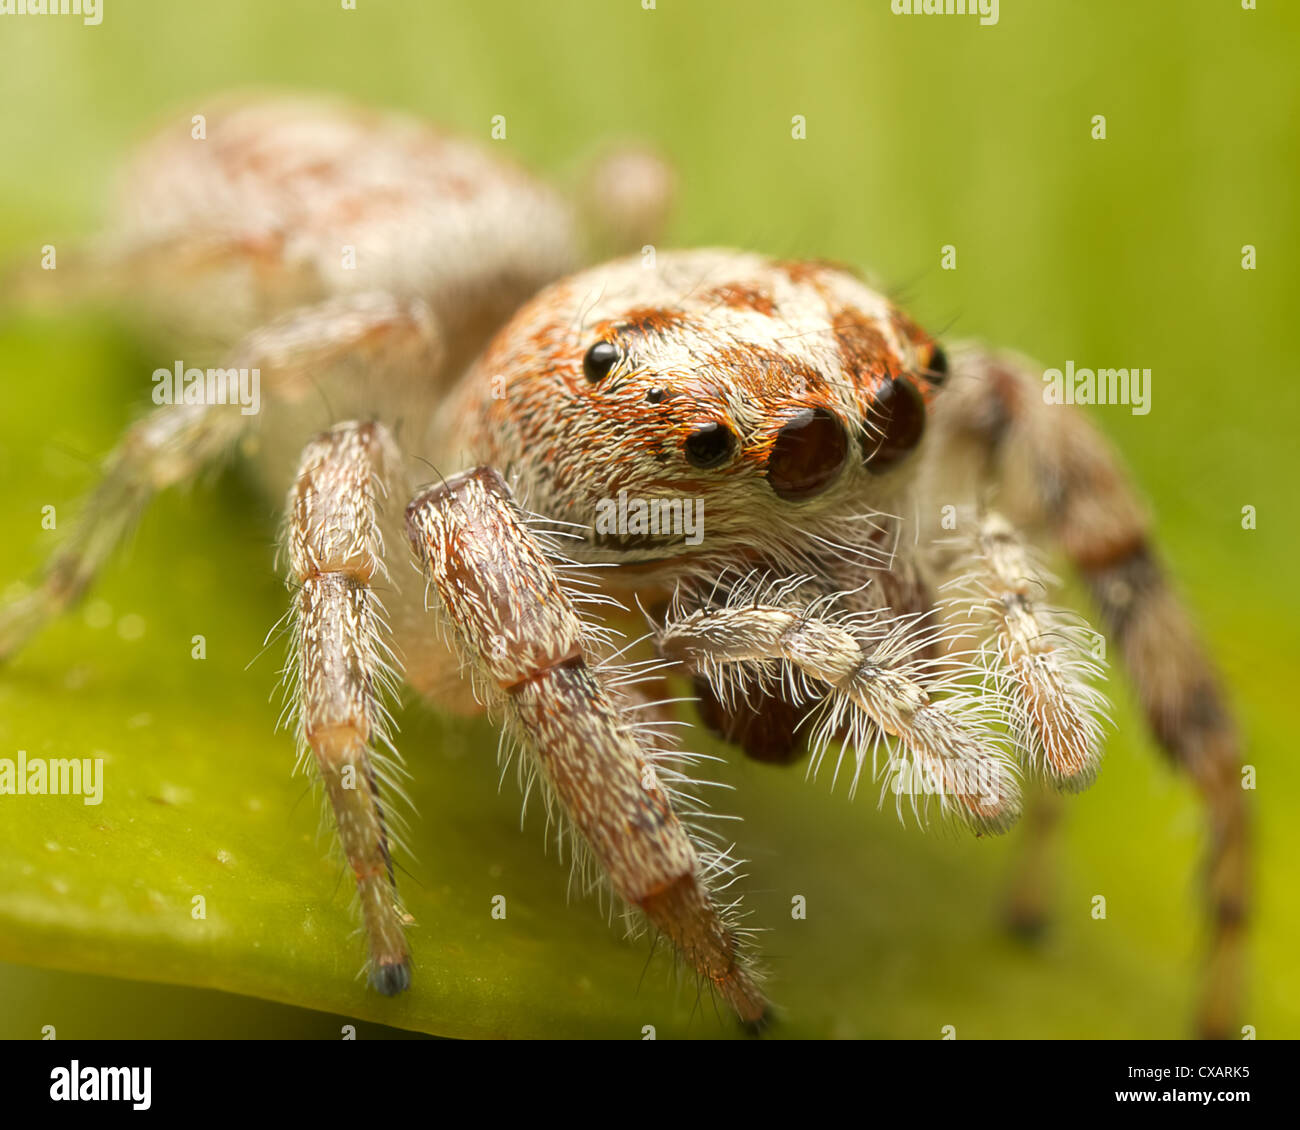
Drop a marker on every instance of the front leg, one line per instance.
(532, 660)
(340, 662)
(1051, 469)
(873, 673)
(1036, 654)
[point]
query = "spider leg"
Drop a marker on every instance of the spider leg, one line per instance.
(341, 664)
(175, 442)
(1027, 908)
(1039, 658)
(532, 660)
(1041, 668)
(1051, 469)
(168, 446)
(874, 675)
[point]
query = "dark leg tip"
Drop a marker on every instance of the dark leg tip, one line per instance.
(391, 979)
(1029, 927)
(756, 1028)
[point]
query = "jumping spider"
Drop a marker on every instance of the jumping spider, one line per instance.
(424, 291)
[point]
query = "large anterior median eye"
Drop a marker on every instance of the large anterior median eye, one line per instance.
(807, 455)
(894, 425)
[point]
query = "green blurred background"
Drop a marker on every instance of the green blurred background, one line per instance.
(921, 132)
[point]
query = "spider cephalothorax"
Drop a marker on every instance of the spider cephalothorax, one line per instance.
(780, 396)
(823, 514)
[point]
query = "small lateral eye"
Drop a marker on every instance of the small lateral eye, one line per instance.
(598, 361)
(938, 368)
(895, 425)
(709, 445)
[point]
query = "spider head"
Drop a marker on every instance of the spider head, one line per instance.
(760, 399)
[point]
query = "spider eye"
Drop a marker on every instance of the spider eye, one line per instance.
(598, 361)
(807, 455)
(894, 425)
(938, 370)
(709, 445)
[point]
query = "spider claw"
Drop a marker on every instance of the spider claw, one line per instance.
(755, 1029)
(391, 978)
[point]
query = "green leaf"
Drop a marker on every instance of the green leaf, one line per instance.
(901, 936)
(919, 133)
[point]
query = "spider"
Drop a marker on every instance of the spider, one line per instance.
(858, 578)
